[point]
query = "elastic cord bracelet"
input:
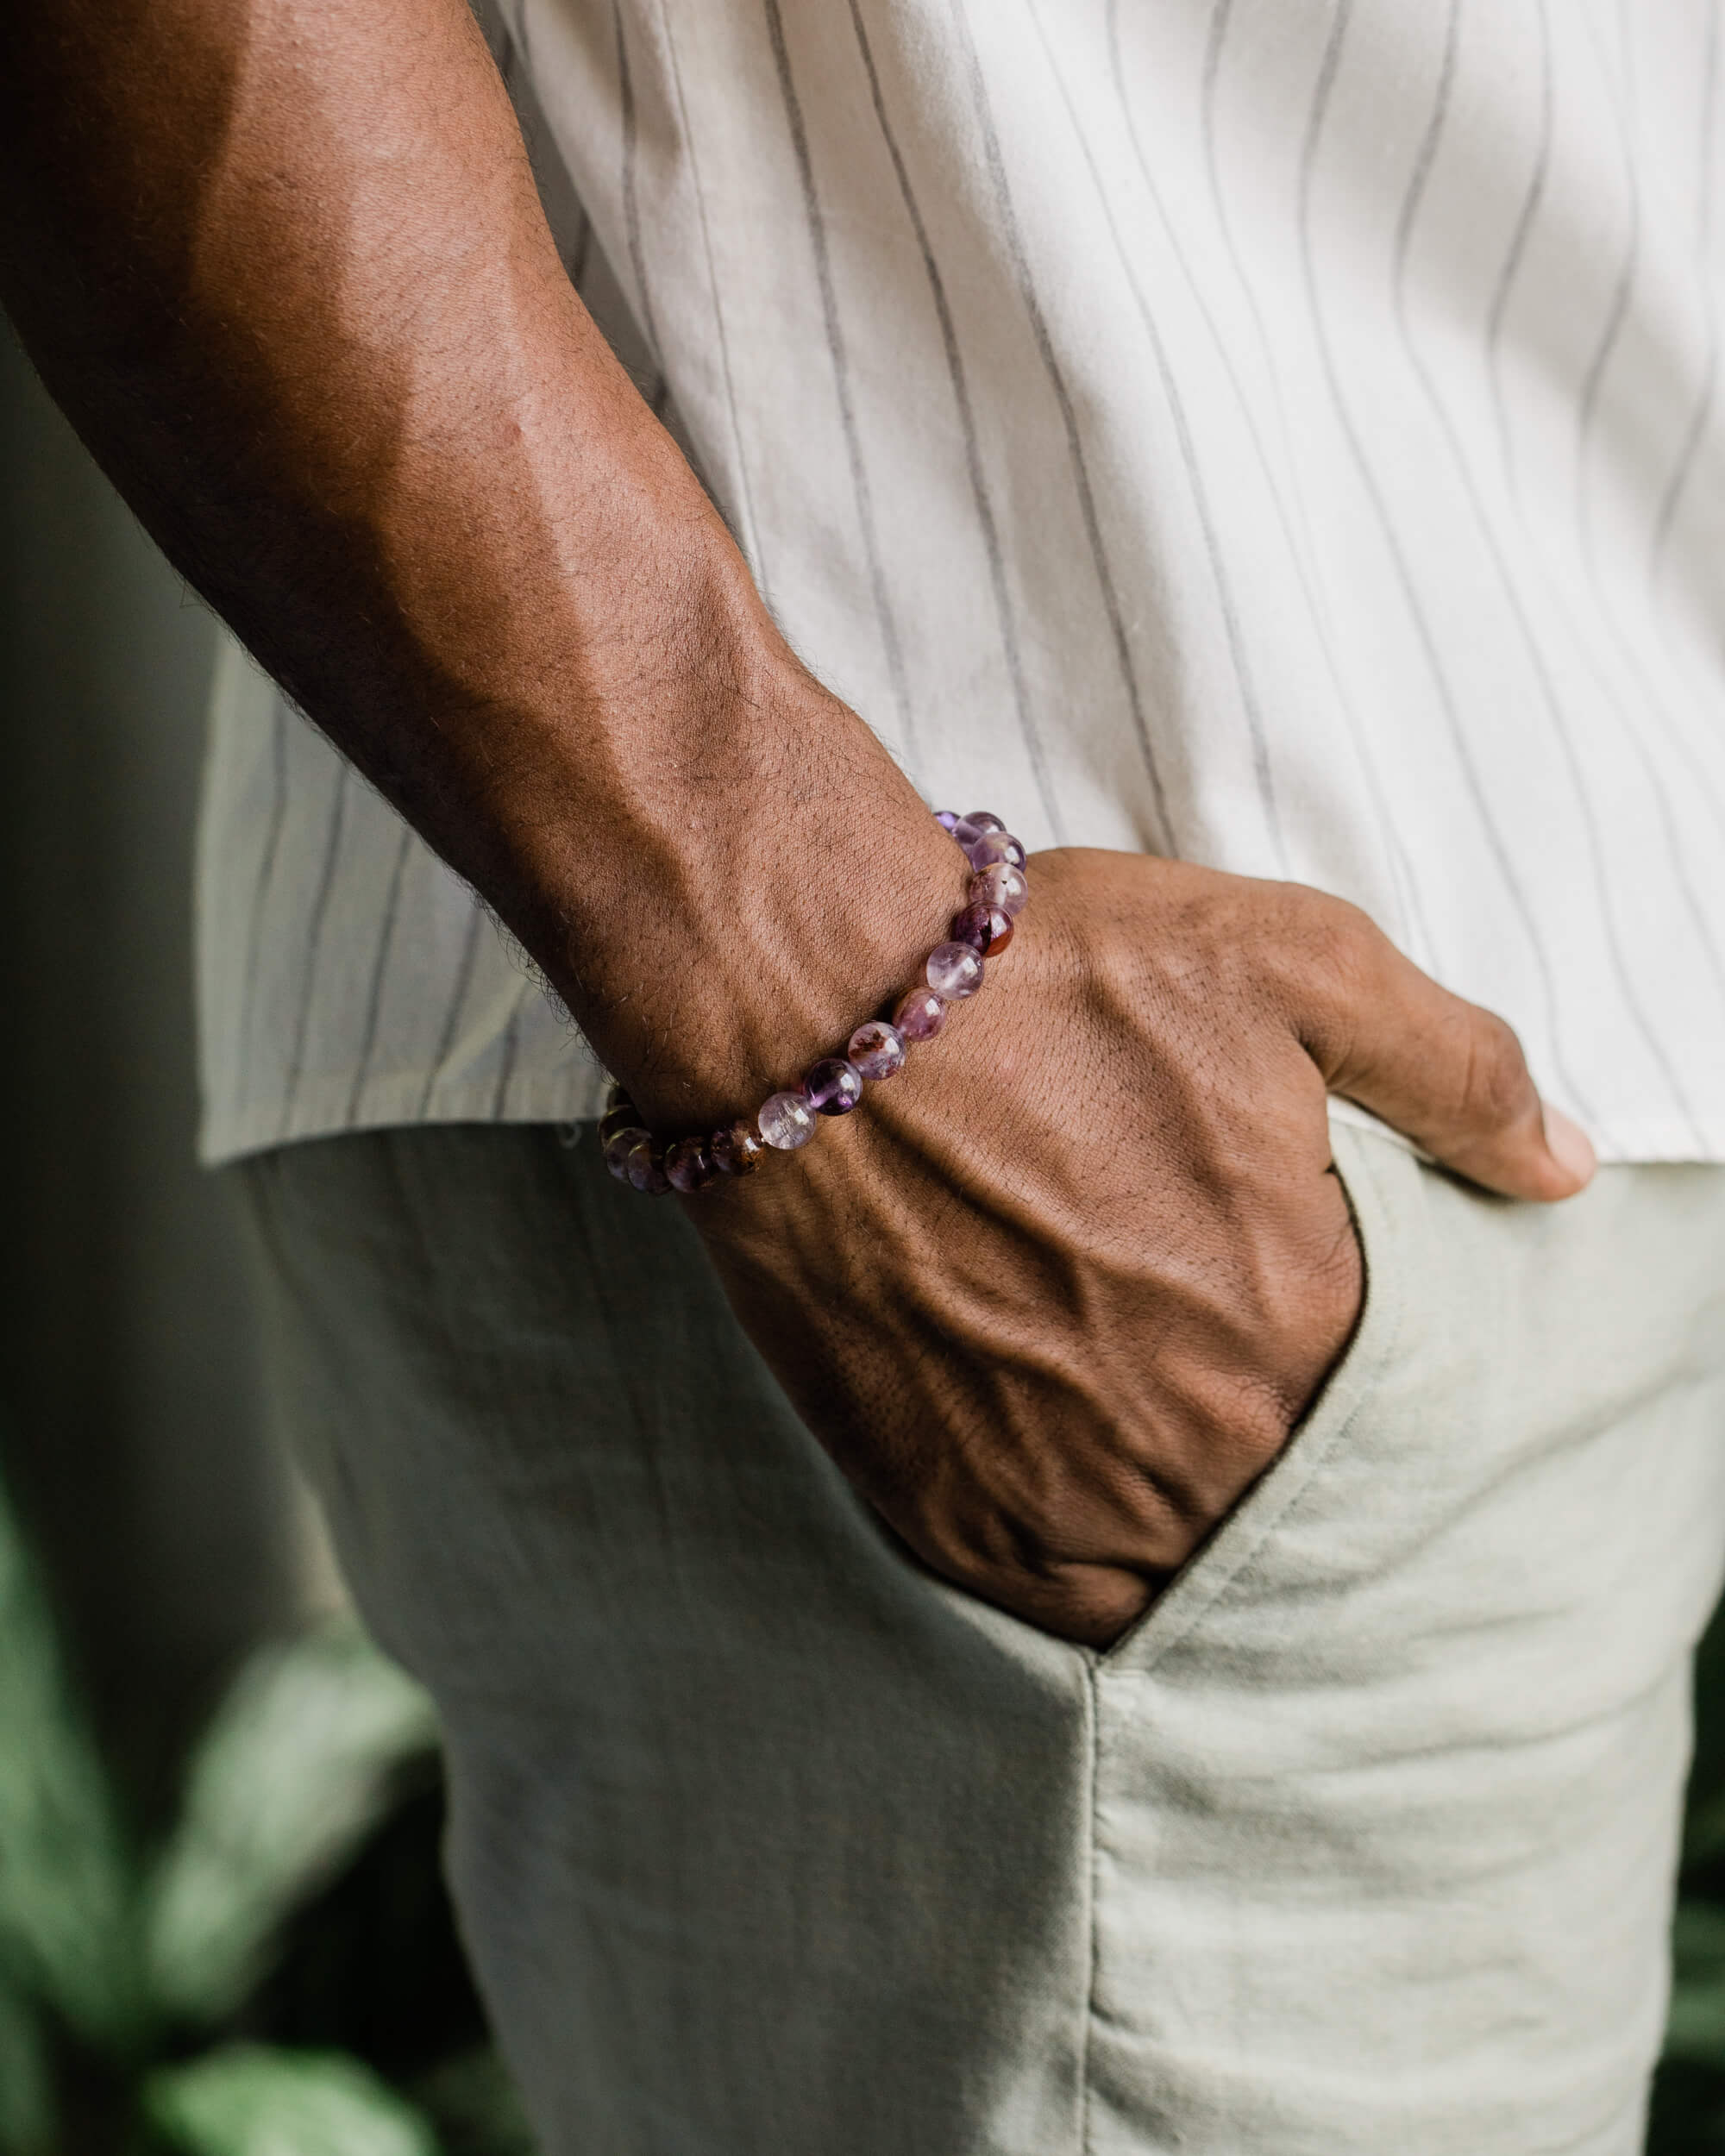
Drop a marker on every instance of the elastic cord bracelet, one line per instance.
(994, 896)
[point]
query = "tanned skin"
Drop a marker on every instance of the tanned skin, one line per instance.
(1061, 1293)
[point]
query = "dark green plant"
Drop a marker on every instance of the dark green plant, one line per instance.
(1689, 2095)
(278, 1973)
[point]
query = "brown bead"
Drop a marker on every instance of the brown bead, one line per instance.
(736, 1149)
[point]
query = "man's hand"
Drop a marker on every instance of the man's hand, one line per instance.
(1063, 1290)
(1061, 1293)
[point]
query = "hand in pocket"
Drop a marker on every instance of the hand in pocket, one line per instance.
(1058, 1297)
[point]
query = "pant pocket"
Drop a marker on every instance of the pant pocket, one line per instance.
(1375, 1173)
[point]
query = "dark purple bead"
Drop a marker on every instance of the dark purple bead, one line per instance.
(688, 1165)
(619, 1146)
(986, 929)
(647, 1169)
(832, 1088)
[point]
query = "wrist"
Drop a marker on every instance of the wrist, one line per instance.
(747, 877)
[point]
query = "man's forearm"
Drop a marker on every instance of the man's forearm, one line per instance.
(283, 263)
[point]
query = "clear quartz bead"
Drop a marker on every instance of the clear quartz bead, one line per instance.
(786, 1121)
(877, 1049)
(974, 825)
(954, 971)
(995, 846)
(1000, 886)
(920, 1016)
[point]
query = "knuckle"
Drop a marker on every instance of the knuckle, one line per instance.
(1496, 1089)
(1326, 941)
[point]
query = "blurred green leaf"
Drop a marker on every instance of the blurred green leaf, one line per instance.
(1703, 1835)
(248, 2100)
(472, 2103)
(67, 1890)
(296, 1770)
(26, 2106)
(1696, 2027)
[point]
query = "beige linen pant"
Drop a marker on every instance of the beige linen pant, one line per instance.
(766, 1844)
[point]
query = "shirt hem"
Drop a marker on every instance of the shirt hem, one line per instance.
(577, 1095)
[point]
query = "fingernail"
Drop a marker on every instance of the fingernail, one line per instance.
(1568, 1143)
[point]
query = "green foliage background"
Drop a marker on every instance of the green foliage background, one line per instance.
(1688, 2096)
(277, 1974)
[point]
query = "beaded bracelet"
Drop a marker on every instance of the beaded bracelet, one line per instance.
(994, 897)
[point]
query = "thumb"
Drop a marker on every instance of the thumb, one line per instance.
(1444, 1072)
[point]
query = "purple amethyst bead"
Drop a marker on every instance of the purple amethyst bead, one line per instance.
(971, 827)
(946, 818)
(920, 1016)
(995, 846)
(1000, 886)
(647, 1169)
(985, 928)
(786, 1121)
(954, 971)
(877, 1050)
(688, 1165)
(832, 1088)
(618, 1145)
(627, 1118)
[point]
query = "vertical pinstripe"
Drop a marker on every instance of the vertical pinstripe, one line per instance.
(314, 944)
(751, 530)
(1696, 774)
(362, 1061)
(840, 359)
(1708, 389)
(632, 206)
(509, 1049)
(1525, 219)
(1487, 532)
(1013, 240)
(1410, 923)
(1593, 381)
(261, 885)
(1227, 611)
(477, 925)
(1171, 418)
(1497, 840)
(986, 524)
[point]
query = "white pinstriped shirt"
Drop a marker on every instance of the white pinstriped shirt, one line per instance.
(1287, 434)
